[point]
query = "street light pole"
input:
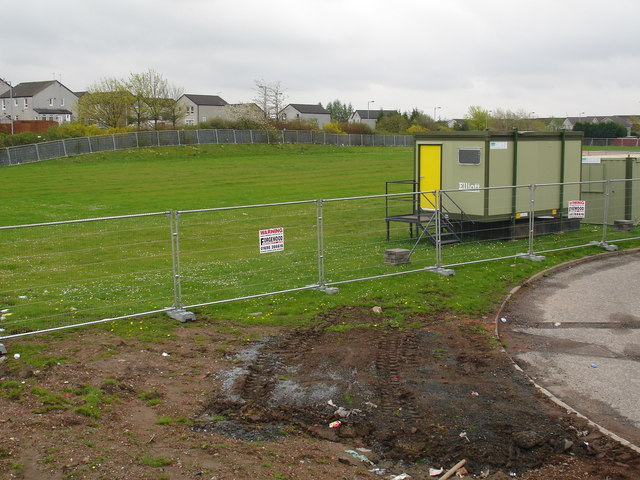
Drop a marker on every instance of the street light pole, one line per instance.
(11, 105)
(434, 113)
(368, 103)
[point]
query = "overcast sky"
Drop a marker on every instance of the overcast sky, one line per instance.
(552, 57)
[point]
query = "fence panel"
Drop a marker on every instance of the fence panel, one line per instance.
(69, 273)
(562, 221)
(357, 236)
(23, 154)
(147, 139)
(226, 253)
(168, 138)
(4, 156)
(102, 143)
(125, 140)
(77, 146)
(623, 213)
(49, 150)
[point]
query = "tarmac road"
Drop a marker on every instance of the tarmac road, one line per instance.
(576, 332)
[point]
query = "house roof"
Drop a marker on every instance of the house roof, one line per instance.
(309, 109)
(206, 100)
(374, 114)
(28, 89)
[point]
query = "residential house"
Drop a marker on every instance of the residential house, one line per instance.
(200, 108)
(305, 113)
(4, 86)
(369, 117)
(48, 100)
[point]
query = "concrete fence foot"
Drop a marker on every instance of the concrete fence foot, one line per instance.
(607, 246)
(181, 315)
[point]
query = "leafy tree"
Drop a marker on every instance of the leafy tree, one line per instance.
(340, 112)
(392, 123)
(477, 118)
(601, 130)
(106, 104)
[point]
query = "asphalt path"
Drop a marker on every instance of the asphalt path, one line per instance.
(575, 332)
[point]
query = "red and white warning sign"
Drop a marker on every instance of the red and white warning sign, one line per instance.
(576, 208)
(271, 240)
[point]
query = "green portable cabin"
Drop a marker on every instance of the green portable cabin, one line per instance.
(463, 165)
(623, 202)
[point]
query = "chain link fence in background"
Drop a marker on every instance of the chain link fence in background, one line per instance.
(163, 138)
(62, 274)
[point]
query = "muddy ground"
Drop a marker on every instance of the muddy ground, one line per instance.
(222, 402)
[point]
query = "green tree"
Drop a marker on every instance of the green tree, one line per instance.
(477, 118)
(393, 123)
(339, 111)
(106, 104)
(601, 130)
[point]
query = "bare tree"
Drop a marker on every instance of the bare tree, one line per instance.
(270, 98)
(174, 112)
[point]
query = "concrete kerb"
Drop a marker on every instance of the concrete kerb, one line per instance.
(540, 388)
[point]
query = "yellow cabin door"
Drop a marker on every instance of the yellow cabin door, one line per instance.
(429, 161)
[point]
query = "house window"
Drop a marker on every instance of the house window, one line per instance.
(189, 122)
(62, 102)
(51, 102)
(15, 102)
(26, 103)
(4, 106)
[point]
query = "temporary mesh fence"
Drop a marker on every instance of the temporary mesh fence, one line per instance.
(159, 138)
(68, 273)
(72, 273)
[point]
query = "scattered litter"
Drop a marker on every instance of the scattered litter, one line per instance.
(378, 471)
(464, 435)
(557, 324)
(2, 318)
(4, 310)
(369, 404)
(335, 424)
(475, 394)
(330, 402)
(376, 309)
(503, 320)
(434, 472)
(402, 476)
(462, 472)
(513, 474)
(165, 354)
(1, 329)
(22, 296)
(16, 356)
(359, 456)
(453, 470)
(594, 365)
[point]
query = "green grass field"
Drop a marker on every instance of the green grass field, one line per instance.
(66, 274)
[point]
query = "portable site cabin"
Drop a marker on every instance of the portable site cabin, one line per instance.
(623, 201)
(464, 164)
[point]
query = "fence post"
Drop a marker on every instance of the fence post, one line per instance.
(320, 229)
(437, 194)
(37, 152)
(530, 255)
(605, 219)
(177, 311)
(64, 147)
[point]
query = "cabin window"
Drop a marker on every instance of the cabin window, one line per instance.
(469, 156)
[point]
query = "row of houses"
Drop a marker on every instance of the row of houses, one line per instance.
(52, 101)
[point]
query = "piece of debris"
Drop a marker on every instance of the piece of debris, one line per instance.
(453, 470)
(335, 424)
(376, 309)
(165, 354)
(434, 472)
(503, 320)
(464, 435)
(557, 324)
(369, 404)
(462, 472)
(359, 456)
(16, 356)
(475, 394)
(402, 476)
(331, 404)
(594, 365)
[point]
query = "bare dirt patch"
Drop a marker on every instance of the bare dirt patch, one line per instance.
(213, 404)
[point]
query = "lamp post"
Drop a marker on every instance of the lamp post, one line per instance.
(368, 103)
(434, 113)
(486, 119)
(11, 105)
